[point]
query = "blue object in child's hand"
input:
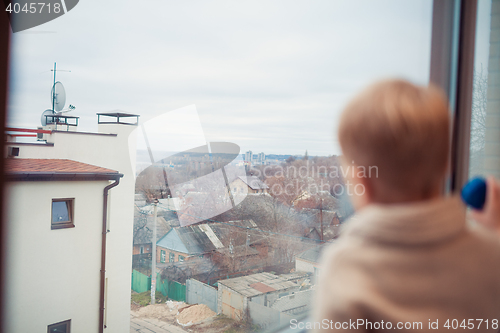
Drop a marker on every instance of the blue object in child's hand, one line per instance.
(474, 193)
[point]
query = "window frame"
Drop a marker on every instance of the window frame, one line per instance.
(70, 202)
(163, 256)
(452, 69)
(67, 322)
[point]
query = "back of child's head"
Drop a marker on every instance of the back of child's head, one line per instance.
(400, 129)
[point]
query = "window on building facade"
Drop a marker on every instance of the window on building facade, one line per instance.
(62, 213)
(181, 258)
(163, 256)
(142, 250)
(61, 327)
(171, 257)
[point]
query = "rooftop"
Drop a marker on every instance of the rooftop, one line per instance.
(312, 255)
(207, 237)
(46, 169)
(253, 182)
(256, 284)
(117, 114)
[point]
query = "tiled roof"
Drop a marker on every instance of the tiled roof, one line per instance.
(38, 165)
(38, 169)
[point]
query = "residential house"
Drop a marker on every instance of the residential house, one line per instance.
(262, 289)
(309, 260)
(70, 200)
(205, 239)
(248, 184)
(304, 195)
(320, 226)
(143, 233)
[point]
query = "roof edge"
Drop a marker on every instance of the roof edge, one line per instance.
(61, 176)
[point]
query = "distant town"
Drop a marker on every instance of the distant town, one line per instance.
(256, 237)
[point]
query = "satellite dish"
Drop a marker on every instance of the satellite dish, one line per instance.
(47, 120)
(58, 94)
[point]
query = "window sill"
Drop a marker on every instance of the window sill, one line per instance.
(62, 226)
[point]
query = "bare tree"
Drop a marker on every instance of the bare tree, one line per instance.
(478, 121)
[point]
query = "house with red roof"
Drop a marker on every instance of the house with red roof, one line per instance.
(70, 199)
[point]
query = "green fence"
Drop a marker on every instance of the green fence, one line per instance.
(172, 289)
(140, 282)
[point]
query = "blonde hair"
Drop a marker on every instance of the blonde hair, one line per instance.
(400, 128)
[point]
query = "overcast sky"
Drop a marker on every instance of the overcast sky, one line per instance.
(270, 76)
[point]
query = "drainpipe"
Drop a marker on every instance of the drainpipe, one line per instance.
(103, 253)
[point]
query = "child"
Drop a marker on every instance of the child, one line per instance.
(406, 260)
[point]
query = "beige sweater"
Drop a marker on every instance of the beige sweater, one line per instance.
(411, 263)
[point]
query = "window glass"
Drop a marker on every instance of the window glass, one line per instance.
(243, 96)
(62, 327)
(60, 211)
(485, 122)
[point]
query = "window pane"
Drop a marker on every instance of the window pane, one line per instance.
(60, 328)
(275, 88)
(60, 211)
(485, 122)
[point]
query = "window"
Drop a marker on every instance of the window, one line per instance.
(181, 258)
(162, 256)
(171, 257)
(484, 149)
(62, 213)
(141, 250)
(61, 327)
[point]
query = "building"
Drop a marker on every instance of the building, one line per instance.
(234, 295)
(248, 156)
(261, 159)
(309, 260)
(70, 224)
(208, 239)
(248, 184)
(143, 232)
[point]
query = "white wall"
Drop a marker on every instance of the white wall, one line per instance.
(111, 152)
(52, 275)
(303, 266)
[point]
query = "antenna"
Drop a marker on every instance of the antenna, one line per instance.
(58, 99)
(54, 90)
(58, 96)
